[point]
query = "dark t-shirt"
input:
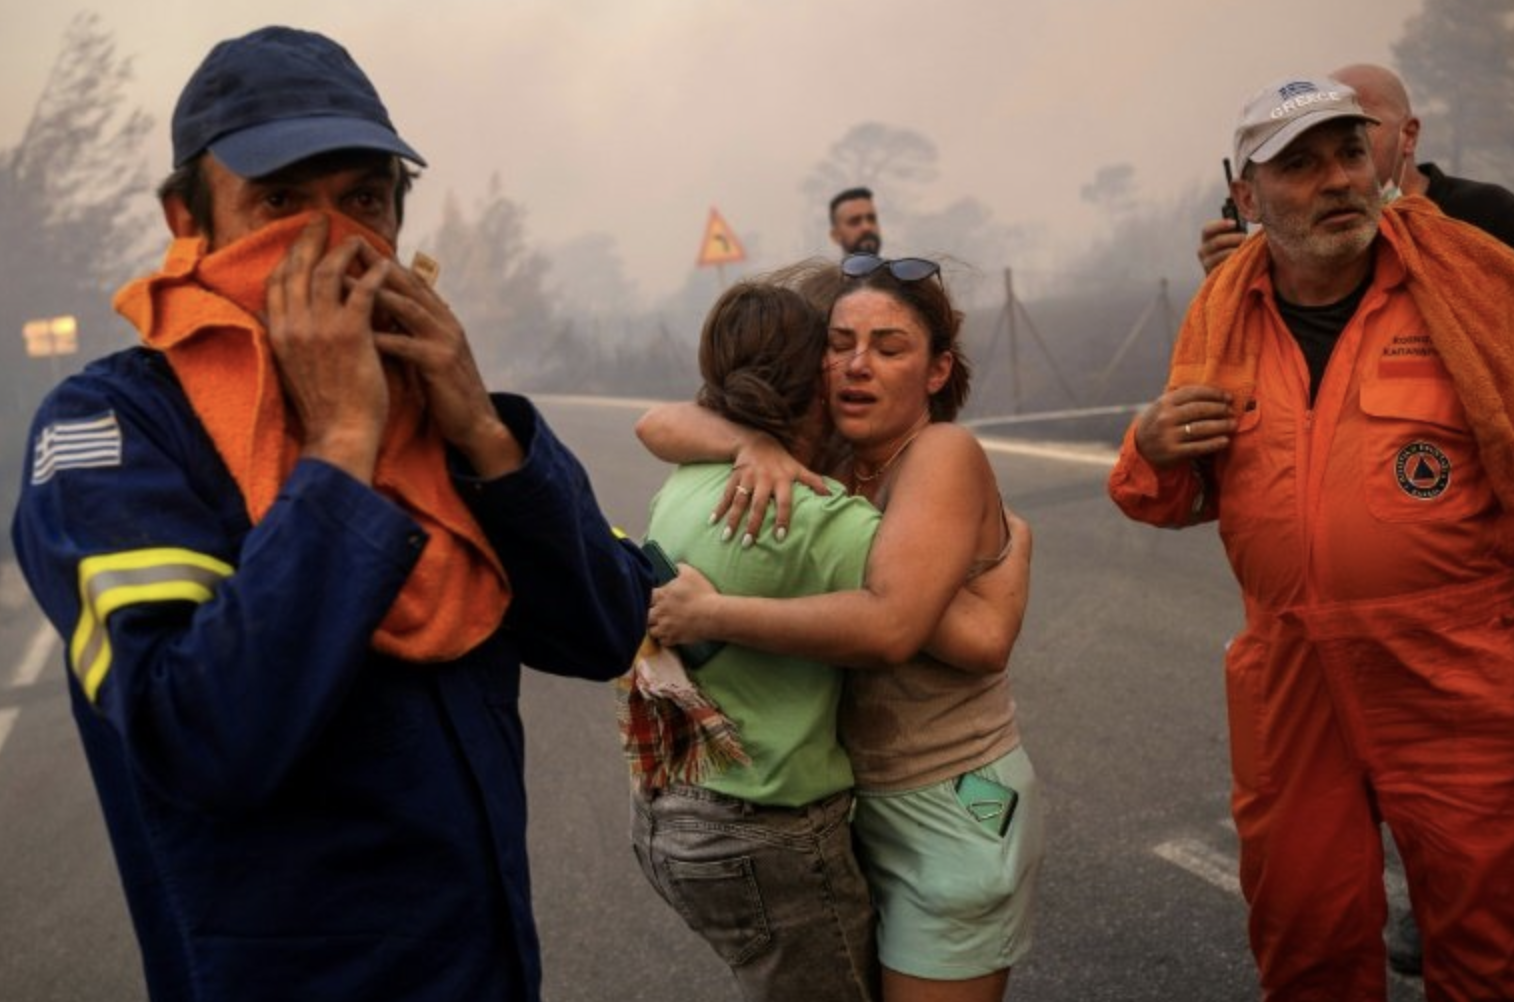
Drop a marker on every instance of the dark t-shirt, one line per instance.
(1488, 207)
(1317, 328)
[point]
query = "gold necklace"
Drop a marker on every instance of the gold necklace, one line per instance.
(866, 478)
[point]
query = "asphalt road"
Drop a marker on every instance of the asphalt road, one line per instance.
(1121, 699)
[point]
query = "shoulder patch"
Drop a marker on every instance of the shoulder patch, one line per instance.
(79, 444)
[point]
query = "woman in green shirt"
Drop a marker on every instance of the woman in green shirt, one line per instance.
(948, 817)
(757, 857)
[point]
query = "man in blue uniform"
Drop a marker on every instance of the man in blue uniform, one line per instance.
(299, 554)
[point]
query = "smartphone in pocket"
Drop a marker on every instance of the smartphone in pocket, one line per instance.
(991, 803)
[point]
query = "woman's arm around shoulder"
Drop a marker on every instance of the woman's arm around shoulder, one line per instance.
(763, 471)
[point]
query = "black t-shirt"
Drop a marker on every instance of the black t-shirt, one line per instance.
(1317, 328)
(1488, 207)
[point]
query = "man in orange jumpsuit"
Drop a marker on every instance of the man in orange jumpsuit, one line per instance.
(1338, 404)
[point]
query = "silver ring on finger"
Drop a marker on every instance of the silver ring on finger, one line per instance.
(1188, 430)
(743, 491)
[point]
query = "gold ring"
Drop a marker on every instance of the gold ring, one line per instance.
(1187, 431)
(743, 491)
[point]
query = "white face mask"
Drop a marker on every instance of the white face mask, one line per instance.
(1389, 188)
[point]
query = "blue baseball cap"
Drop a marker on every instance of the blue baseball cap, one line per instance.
(276, 96)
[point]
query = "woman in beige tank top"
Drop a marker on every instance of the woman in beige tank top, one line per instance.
(944, 786)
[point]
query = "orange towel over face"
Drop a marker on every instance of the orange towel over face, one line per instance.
(203, 311)
(1462, 281)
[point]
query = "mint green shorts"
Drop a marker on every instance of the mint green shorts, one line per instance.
(955, 899)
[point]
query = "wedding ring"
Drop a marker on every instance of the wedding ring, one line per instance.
(743, 491)
(1187, 431)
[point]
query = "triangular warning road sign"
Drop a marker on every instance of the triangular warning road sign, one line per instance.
(720, 245)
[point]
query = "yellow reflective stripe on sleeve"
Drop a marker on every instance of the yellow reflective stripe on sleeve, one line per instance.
(112, 581)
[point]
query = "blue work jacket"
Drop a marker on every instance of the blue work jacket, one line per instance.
(295, 816)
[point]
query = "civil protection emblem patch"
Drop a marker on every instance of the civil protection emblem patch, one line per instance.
(1423, 471)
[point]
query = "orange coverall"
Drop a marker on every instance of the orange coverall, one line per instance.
(1374, 678)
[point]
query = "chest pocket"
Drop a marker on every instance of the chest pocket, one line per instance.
(1419, 461)
(1248, 467)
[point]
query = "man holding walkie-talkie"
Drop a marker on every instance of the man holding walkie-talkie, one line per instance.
(1489, 207)
(1341, 403)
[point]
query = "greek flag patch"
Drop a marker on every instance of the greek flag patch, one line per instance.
(76, 445)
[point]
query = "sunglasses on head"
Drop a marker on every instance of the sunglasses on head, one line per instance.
(905, 269)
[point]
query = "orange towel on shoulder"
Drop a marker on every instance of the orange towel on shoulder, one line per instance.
(1212, 349)
(1462, 281)
(203, 312)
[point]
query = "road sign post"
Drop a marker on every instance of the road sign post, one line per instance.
(50, 337)
(720, 245)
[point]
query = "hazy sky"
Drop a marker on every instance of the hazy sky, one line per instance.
(633, 117)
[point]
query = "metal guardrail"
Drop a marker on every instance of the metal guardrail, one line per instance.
(1062, 415)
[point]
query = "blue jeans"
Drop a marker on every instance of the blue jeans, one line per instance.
(776, 891)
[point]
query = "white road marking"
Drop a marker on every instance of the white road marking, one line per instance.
(38, 651)
(36, 658)
(1091, 455)
(1041, 417)
(1199, 859)
(1221, 868)
(631, 403)
(7, 717)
